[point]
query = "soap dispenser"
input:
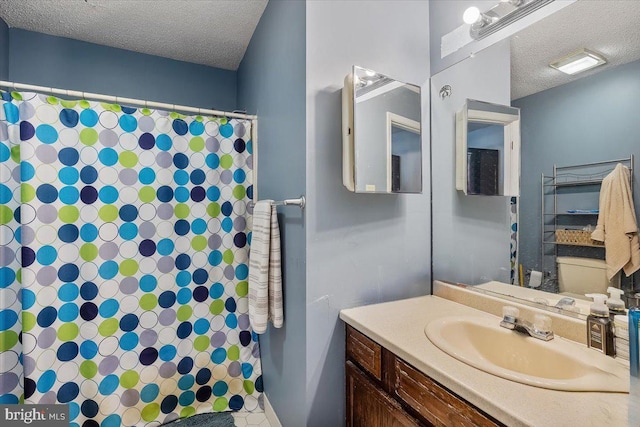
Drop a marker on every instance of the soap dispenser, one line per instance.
(615, 303)
(599, 326)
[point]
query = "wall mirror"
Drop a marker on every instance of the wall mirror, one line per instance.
(575, 128)
(488, 149)
(382, 136)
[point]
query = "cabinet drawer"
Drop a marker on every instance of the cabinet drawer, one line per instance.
(368, 406)
(364, 352)
(437, 405)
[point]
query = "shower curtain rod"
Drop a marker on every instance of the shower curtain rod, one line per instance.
(125, 101)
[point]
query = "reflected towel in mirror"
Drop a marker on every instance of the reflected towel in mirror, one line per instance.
(617, 226)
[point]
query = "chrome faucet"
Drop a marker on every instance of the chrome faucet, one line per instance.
(540, 328)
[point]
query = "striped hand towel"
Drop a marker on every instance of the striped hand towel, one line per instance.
(265, 274)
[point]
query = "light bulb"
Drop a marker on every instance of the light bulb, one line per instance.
(471, 15)
(370, 73)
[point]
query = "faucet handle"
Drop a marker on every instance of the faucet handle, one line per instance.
(510, 313)
(542, 323)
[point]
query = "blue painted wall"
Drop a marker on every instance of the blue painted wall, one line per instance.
(45, 60)
(4, 50)
(589, 120)
(271, 83)
(361, 248)
(470, 234)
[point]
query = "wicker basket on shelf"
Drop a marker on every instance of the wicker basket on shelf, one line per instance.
(576, 237)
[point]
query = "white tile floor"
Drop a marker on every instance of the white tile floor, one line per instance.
(250, 419)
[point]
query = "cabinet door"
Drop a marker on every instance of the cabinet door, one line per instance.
(368, 406)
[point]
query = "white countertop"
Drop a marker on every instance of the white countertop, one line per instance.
(399, 327)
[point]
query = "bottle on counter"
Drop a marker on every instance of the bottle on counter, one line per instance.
(600, 326)
(634, 361)
(615, 303)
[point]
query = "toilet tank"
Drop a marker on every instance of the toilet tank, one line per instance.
(584, 275)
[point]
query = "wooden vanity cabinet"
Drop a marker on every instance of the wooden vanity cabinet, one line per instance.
(385, 391)
(369, 406)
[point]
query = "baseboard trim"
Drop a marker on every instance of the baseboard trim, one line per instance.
(271, 415)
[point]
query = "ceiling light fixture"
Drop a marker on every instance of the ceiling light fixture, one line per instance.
(576, 62)
(499, 16)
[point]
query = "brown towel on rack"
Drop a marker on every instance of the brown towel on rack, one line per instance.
(617, 226)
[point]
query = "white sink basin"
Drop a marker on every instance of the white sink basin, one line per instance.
(558, 364)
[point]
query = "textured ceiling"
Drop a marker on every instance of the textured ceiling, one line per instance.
(209, 32)
(609, 27)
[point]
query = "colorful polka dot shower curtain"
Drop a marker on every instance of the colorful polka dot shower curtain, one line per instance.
(124, 261)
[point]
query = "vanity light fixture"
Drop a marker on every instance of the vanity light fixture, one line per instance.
(476, 19)
(578, 61)
(499, 16)
(471, 15)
